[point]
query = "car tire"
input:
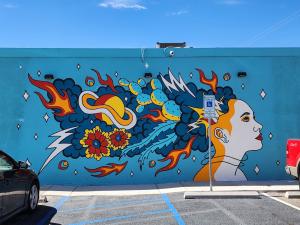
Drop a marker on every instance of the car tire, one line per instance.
(33, 197)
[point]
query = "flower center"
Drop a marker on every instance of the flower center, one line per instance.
(118, 137)
(96, 143)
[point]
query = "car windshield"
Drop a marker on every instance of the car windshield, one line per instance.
(5, 163)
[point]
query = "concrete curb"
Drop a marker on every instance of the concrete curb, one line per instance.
(221, 194)
(292, 194)
(126, 190)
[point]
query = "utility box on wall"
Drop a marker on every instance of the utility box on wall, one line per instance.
(135, 116)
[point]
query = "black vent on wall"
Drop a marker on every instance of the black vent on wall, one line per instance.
(148, 75)
(171, 45)
(49, 76)
(242, 74)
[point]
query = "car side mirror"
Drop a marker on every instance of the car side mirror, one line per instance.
(22, 165)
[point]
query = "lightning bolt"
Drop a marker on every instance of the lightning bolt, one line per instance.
(193, 126)
(174, 83)
(57, 145)
(217, 105)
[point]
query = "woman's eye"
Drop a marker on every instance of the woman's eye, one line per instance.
(246, 119)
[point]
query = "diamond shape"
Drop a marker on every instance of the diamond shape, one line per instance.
(191, 75)
(36, 136)
(92, 121)
(46, 117)
(26, 96)
(126, 99)
(18, 126)
(277, 162)
(194, 158)
(21, 67)
(78, 66)
(75, 172)
(270, 136)
(243, 86)
(131, 173)
(116, 74)
(178, 171)
(39, 73)
(256, 169)
(263, 94)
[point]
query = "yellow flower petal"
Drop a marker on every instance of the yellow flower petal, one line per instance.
(98, 157)
(107, 154)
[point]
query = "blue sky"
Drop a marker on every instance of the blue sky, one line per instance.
(141, 23)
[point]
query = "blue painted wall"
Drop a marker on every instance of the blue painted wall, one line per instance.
(26, 135)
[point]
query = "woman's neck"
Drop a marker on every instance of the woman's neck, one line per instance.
(203, 173)
(223, 164)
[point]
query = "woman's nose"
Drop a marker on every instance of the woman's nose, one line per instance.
(257, 127)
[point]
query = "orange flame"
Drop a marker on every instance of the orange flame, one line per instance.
(106, 170)
(213, 83)
(108, 82)
(175, 154)
(61, 102)
(158, 118)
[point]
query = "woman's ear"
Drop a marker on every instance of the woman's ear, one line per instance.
(221, 134)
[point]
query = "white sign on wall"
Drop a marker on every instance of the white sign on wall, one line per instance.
(209, 106)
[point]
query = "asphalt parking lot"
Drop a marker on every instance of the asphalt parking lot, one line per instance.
(161, 209)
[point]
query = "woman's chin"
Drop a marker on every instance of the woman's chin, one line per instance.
(257, 146)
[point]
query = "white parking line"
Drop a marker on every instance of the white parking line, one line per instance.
(228, 213)
(283, 202)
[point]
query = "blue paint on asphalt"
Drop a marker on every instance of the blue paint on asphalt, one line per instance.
(44, 220)
(174, 211)
(131, 216)
(112, 205)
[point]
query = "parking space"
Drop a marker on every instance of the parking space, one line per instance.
(280, 196)
(159, 209)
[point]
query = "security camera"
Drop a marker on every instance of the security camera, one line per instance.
(171, 53)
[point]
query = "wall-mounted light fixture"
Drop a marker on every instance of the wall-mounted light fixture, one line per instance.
(242, 74)
(148, 75)
(49, 76)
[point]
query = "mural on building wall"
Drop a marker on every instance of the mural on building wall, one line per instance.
(129, 121)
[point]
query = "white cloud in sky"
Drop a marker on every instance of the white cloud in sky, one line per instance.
(178, 13)
(122, 4)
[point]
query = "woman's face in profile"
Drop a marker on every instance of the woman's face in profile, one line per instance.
(245, 131)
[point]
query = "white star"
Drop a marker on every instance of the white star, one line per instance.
(256, 169)
(263, 94)
(270, 135)
(46, 117)
(26, 95)
(178, 171)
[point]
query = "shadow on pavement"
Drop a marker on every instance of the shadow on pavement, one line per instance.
(41, 216)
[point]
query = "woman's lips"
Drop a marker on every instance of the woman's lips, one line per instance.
(259, 137)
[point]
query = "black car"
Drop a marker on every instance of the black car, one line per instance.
(19, 187)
